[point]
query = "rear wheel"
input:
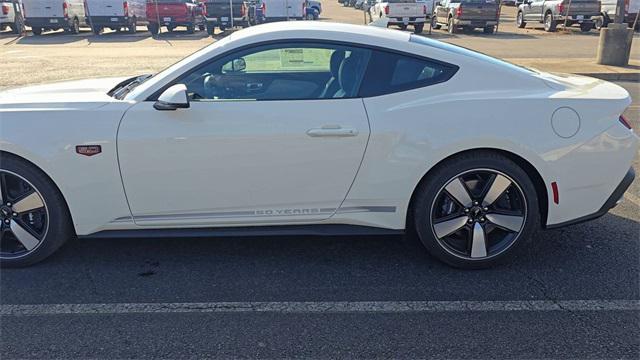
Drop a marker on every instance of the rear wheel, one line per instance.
(418, 28)
(549, 23)
(97, 29)
(202, 27)
(34, 220)
(451, 26)
(211, 30)
(586, 27)
(36, 31)
(434, 23)
(74, 28)
(489, 29)
(133, 26)
(191, 28)
(153, 28)
(170, 28)
(476, 211)
(520, 20)
(601, 22)
(17, 27)
(402, 27)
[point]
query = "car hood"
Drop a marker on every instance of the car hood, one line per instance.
(83, 94)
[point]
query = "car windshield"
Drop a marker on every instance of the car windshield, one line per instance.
(467, 52)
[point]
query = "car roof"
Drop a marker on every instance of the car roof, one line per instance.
(320, 30)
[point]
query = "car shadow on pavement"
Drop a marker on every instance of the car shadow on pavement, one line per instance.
(119, 37)
(180, 35)
(58, 37)
(595, 260)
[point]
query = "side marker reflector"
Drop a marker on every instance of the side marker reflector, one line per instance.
(556, 195)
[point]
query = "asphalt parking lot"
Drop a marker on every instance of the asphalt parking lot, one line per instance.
(574, 294)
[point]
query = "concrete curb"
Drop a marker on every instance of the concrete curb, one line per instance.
(614, 76)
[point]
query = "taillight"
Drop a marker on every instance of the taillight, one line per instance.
(5, 9)
(625, 122)
(125, 7)
(264, 9)
(386, 10)
(561, 7)
(459, 11)
(243, 10)
(626, 6)
(65, 9)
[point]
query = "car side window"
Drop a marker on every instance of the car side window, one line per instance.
(281, 72)
(392, 72)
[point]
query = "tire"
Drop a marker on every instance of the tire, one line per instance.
(601, 22)
(418, 28)
(549, 23)
(586, 27)
(17, 27)
(211, 30)
(489, 29)
(222, 28)
(46, 234)
(170, 28)
(457, 244)
(191, 28)
(36, 31)
(202, 27)
(402, 27)
(451, 27)
(75, 27)
(153, 28)
(520, 20)
(133, 26)
(434, 23)
(97, 30)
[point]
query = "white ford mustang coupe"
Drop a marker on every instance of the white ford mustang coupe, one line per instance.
(314, 128)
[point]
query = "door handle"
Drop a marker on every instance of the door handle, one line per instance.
(332, 131)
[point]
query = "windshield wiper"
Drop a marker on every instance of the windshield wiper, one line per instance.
(123, 88)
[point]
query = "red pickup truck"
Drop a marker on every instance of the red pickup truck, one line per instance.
(174, 13)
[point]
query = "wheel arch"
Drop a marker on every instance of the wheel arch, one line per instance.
(4, 153)
(532, 172)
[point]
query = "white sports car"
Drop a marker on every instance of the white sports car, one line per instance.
(314, 128)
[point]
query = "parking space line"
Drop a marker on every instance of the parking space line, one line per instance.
(321, 307)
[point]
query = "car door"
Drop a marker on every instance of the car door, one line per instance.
(262, 142)
(534, 10)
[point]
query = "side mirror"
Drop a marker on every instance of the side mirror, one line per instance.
(173, 98)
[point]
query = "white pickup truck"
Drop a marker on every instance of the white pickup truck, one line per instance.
(401, 13)
(11, 16)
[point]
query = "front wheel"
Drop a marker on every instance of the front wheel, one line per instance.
(520, 20)
(34, 220)
(476, 210)
(549, 23)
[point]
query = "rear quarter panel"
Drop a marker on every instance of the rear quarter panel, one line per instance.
(483, 107)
